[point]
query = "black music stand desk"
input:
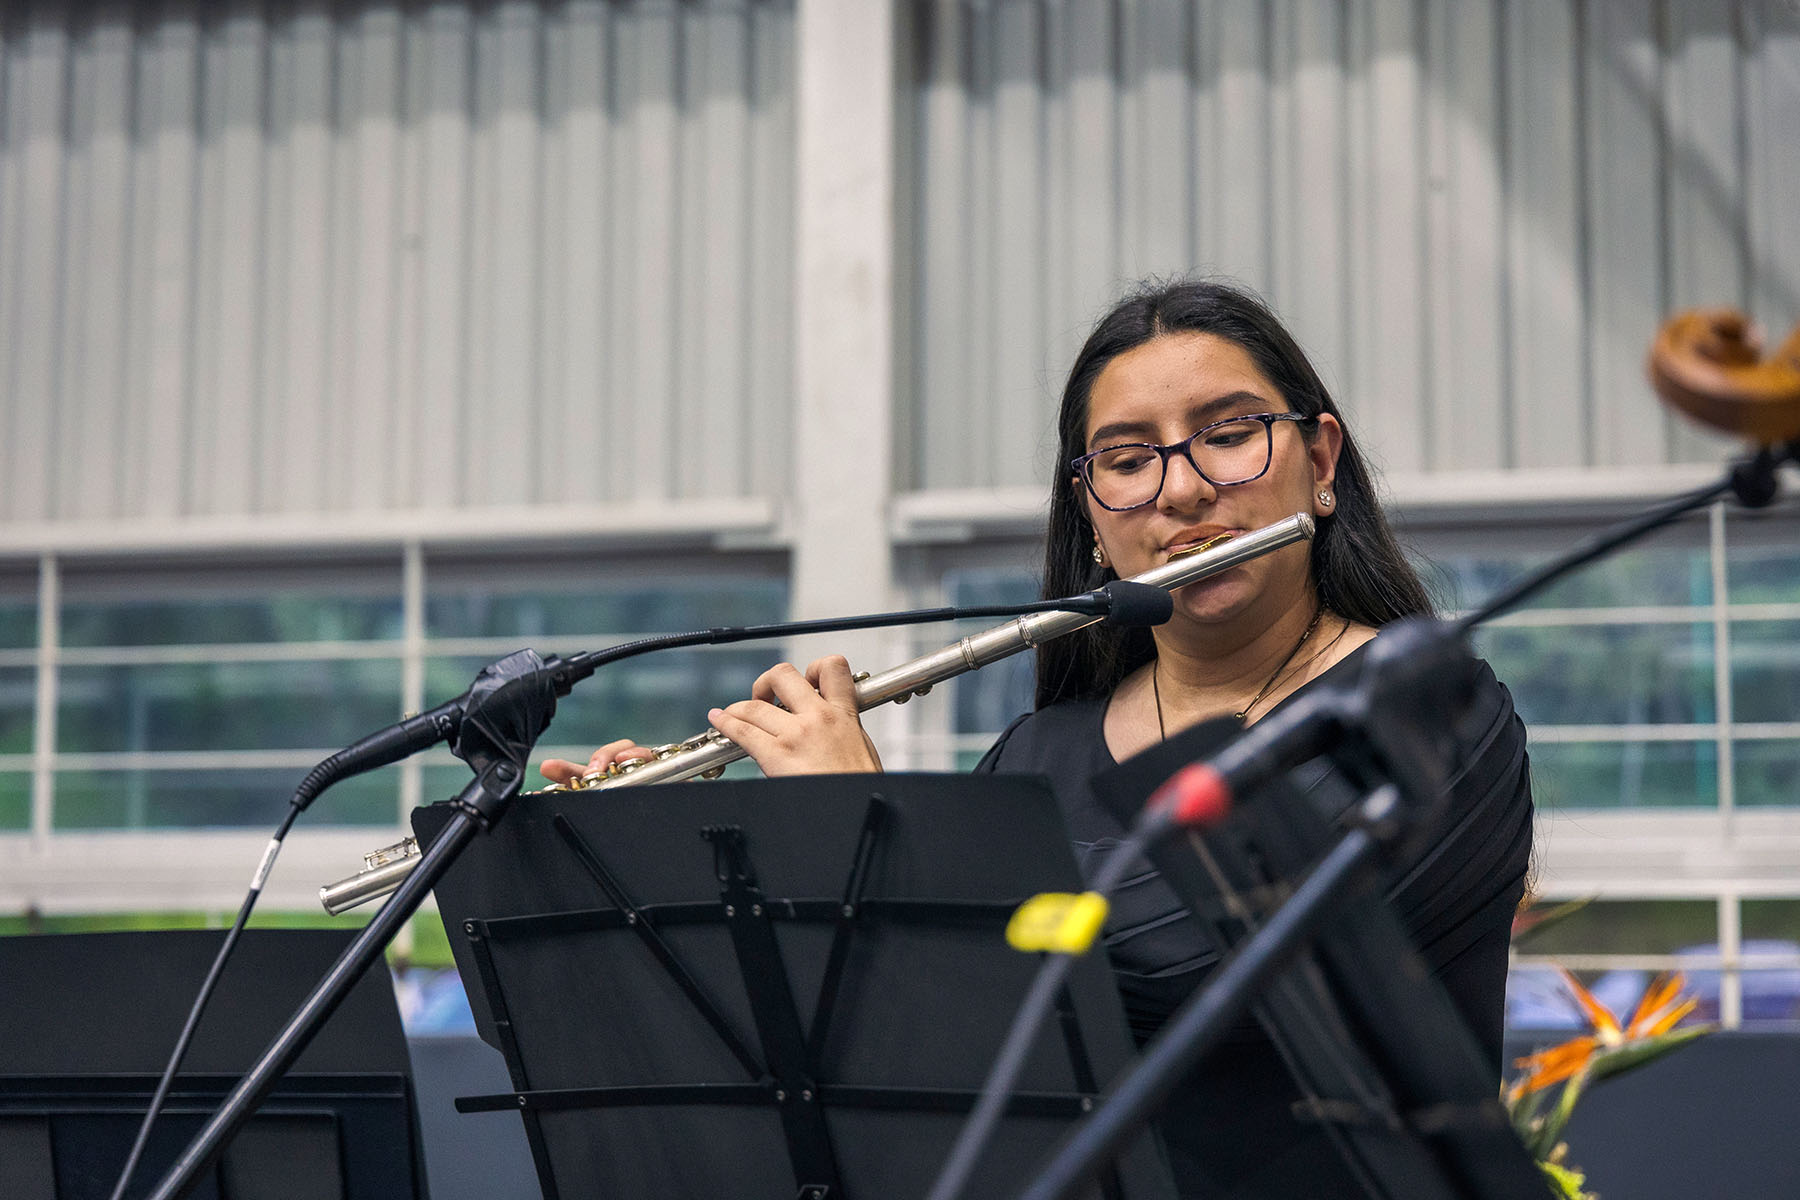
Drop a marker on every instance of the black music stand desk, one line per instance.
(87, 1022)
(775, 988)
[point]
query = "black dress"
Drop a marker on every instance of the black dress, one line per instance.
(1229, 1129)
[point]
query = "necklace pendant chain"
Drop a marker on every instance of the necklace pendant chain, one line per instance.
(1243, 713)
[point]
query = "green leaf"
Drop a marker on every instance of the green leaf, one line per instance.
(1535, 920)
(1550, 1132)
(1525, 1109)
(1620, 1059)
(1567, 1183)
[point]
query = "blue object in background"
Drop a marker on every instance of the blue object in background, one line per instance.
(433, 1003)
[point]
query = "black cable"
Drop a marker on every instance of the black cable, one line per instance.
(167, 1082)
(1601, 543)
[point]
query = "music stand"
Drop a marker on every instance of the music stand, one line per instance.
(785, 988)
(86, 1023)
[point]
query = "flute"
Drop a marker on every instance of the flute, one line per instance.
(707, 754)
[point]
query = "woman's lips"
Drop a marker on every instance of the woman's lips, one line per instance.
(1189, 543)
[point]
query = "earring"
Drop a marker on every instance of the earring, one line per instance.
(1325, 499)
(1099, 555)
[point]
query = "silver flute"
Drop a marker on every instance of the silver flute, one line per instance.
(707, 754)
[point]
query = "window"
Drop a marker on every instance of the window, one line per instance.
(197, 694)
(1667, 676)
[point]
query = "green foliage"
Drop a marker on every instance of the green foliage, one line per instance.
(1566, 1182)
(1632, 1055)
(430, 946)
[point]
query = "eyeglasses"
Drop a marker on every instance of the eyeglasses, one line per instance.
(1225, 453)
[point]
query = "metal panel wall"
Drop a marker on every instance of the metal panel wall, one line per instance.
(1473, 212)
(297, 257)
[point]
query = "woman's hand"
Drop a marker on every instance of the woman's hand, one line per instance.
(561, 770)
(814, 731)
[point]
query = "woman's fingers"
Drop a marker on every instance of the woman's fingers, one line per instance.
(784, 685)
(758, 726)
(837, 684)
(561, 770)
(791, 728)
(831, 676)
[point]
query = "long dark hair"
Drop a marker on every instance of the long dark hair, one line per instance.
(1357, 565)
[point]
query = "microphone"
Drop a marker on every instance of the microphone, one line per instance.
(1121, 603)
(1135, 605)
(1414, 683)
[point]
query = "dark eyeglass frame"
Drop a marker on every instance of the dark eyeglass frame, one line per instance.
(1083, 466)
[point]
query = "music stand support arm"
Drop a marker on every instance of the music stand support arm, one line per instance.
(1199, 1024)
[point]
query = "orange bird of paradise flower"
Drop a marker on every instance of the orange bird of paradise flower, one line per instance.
(1658, 1011)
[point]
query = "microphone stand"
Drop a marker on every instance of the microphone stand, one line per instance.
(1384, 821)
(1200, 1023)
(506, 711)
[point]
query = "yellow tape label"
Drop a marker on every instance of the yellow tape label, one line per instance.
(1057, 923)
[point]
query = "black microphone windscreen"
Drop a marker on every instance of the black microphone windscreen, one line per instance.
(1136, 604)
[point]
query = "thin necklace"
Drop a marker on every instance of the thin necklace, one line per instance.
(1156, 690)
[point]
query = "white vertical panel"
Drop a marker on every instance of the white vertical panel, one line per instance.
(1385, 391)
(846, 110)
(944, 210)
(770, 391)
(1090, 129)
(1066, 315)
(399, 416)
(1622, 69)
(571, 444)
(274, 295)
(76, 262)
(1466, 223)
(36, 101)
(90, 439)
(12, 185)
(1545, 313)
(624, 302)
(168, 70)
(301, 121)
(343, 248)
(1235, 176)
(1706, 232)
(226, 327)
(441, 57)
(714, 421)
(1309, 255)
(1772, 175)
(686, 258)
(504, 394)
(1155, 168)
(372, 154)
(980, 434)
(650, 53)
(1021, 377)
